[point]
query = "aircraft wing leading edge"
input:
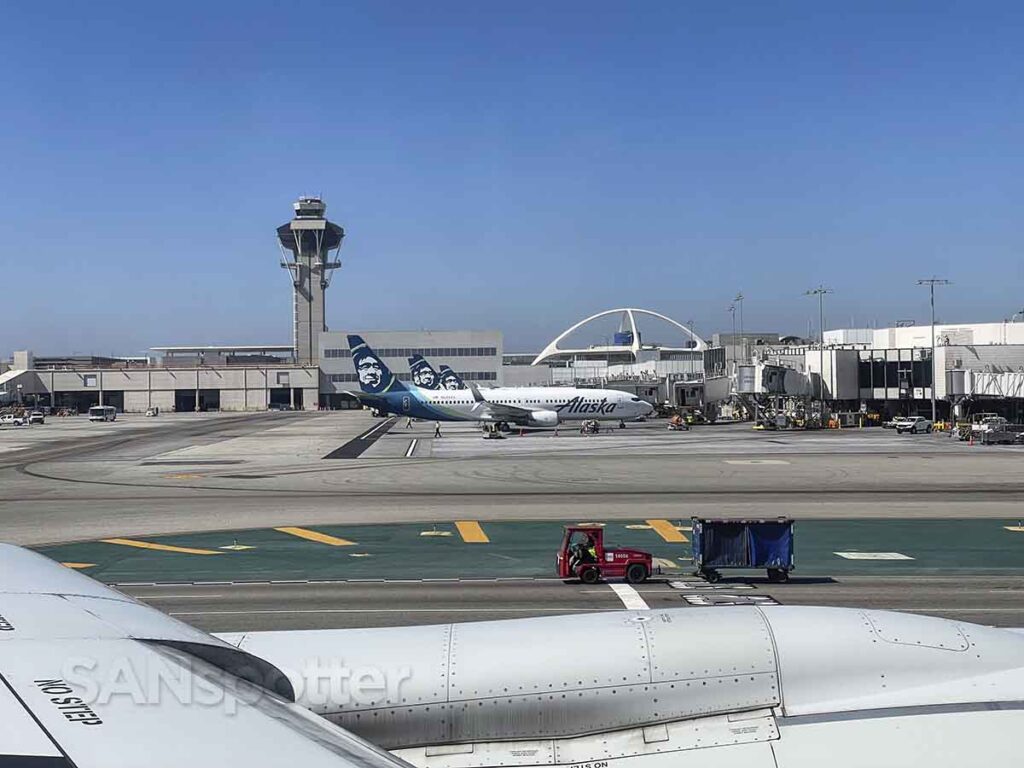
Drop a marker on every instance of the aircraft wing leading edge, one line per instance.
(90, 677)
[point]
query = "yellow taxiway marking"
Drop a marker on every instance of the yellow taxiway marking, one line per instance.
(471, 532)
(667, 531)
(1015, 528)
(322, 538)
(160, 547)
(78, 565)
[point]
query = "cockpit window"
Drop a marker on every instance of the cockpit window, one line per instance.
(635, 399)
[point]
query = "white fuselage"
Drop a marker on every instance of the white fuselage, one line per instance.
(531, 405)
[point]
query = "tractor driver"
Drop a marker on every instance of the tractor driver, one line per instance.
(584, 551)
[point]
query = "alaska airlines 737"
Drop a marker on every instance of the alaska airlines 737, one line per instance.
(522, 406)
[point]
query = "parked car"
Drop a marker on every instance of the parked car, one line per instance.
(36, 417)
(895, 423)
(914, 425)
(13, 421)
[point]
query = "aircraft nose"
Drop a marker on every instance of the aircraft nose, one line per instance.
(648, 408)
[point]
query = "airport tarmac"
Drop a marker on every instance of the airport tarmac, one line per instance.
(188, 476)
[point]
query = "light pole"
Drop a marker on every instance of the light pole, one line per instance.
(739, 302)
(732, 311)
(693, 346)
(820, 292)
(931, 282)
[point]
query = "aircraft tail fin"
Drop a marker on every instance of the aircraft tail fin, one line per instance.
(375, 378)
(450, 379)
(423, 373)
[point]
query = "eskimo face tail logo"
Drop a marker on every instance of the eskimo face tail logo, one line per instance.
(450, 379)
(423, 375)
(580, 405)
(374, 376)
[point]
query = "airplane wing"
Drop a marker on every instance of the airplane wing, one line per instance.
(92, 678)
(488, 411)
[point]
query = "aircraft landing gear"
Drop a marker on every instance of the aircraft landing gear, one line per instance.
(491, 432)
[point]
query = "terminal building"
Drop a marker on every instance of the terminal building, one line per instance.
(978, 367)
(888, 370)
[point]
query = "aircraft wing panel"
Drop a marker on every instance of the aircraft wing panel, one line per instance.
(90, 677)
(124, 704)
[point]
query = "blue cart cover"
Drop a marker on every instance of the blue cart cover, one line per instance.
(743, 543)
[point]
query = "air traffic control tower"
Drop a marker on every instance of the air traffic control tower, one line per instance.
(310, 244)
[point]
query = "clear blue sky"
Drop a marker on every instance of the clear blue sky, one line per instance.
(504, 165)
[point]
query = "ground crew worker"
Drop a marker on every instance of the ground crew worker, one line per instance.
(408, 423)
(437, 429)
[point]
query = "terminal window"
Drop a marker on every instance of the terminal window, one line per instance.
(424, 351)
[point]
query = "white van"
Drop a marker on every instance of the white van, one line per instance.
(102, 413)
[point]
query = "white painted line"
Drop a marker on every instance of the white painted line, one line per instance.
(411, 449)
(366, 435)
(629, 597)
(755, 461)
(873, 555)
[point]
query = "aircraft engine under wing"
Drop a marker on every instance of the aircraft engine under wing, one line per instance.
(771, 686)
(90, 677)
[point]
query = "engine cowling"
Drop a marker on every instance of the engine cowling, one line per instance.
(543, 419)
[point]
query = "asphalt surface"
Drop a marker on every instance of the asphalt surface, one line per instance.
(252, 607)
(181, 474)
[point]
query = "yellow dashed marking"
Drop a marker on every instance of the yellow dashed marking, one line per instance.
(667, 531)
(322, 538)
(78, 565)
(160, 547)
(471, 532)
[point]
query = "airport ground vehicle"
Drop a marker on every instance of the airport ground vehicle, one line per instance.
(914, 425)
(102, 413)
(152, 411)
(896, 422)
(36, 417)
(14, 421)
(590, 427)
(678, 424)
(723, 543)
(583, 555)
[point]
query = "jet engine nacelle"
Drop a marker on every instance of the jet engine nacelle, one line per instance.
(543, 419)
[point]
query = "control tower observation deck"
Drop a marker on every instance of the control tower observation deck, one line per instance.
(310, 244)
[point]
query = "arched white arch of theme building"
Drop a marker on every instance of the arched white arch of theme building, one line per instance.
(553, 349)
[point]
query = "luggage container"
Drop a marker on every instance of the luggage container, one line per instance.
(719, 544)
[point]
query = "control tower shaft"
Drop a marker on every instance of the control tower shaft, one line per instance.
(310, 243)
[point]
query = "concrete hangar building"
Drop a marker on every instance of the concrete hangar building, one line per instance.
(314, 371)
